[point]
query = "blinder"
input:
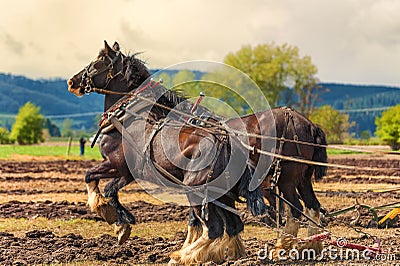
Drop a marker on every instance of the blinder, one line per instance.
(97, 67)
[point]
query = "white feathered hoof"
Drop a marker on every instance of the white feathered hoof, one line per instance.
(123, 231)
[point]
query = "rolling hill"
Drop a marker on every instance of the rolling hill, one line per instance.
(55, 100)
(50, 94)
(362, 102)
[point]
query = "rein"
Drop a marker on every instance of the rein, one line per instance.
(237, 132)
(240, 133)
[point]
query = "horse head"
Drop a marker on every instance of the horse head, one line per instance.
(98, 73)
(111, 70)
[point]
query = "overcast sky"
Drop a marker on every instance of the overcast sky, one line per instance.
(350, 41)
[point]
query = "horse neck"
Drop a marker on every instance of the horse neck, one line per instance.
(110, 100)
(136, 72)
(238, 122)
(124, 86)
(119, 86)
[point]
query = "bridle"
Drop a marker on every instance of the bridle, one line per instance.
(98, 67)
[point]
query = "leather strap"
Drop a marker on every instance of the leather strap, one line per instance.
(118, 125)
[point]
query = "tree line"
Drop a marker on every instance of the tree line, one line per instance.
(282, 74)
(31, 127)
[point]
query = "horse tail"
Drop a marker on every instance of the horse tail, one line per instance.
(320, 154)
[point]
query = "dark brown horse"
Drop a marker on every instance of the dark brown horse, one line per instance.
(140, 147)
(294, 179)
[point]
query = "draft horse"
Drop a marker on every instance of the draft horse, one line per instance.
(217, 219)
(294, 179)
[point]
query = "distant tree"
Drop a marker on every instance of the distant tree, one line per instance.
(219, 98)
(365, 136)
(66, 128)
(53, 129)
(166, 79)
(4, 136)
(232, 89)
(183, 81)
(277, 68)
(228, 93)
(388, 127)
(336, 125)
(28, 126)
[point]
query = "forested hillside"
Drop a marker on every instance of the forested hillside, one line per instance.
(50, 94)
(362, 102)
(54, 99)
(347, 96)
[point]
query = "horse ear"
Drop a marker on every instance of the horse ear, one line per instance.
(107, 48)
(116, 47)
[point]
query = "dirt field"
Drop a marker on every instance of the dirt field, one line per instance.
(44, 218)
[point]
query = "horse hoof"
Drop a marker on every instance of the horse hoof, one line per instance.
(276, 254)
(123, 231)
(281, 248)
(175, 258)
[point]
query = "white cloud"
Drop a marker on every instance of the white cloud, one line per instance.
(349, 41)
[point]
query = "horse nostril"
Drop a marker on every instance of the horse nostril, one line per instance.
(70, 82)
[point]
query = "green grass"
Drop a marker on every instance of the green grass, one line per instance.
(336, 152)
(59, 149)
(53, 150)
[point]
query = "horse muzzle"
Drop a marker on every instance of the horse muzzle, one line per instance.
(77, 91)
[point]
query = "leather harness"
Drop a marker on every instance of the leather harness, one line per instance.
(277, 161)
(130, 106)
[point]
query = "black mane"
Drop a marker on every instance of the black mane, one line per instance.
(169, 99)
(136, 71)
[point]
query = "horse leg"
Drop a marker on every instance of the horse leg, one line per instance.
(96, 201)
(233, 227)
(125, 217)
(312, 209)
(192, 254)
(210, 246)
(195, 229)
(287, 238)
(265, 186)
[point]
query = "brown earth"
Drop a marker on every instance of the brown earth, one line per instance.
(23, 183)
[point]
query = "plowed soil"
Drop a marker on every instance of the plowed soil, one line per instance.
(55, 190)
